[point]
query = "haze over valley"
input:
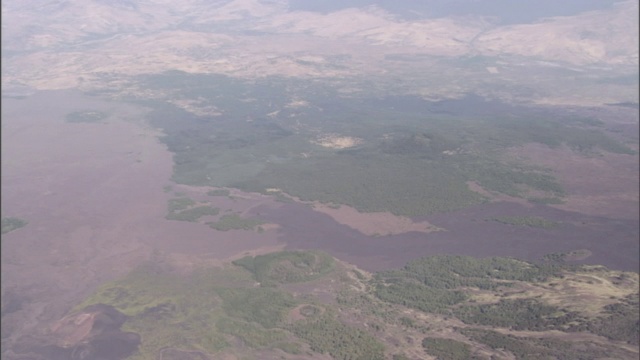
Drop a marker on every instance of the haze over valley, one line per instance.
(260, 179)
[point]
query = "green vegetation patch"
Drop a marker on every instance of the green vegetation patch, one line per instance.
(451, 272)
(218, 192)
(10, 223)
(257, 337)
(280, 197)
(370, 182)
(446, 349)
(433, 284)
(519, 314)
(420, 169)
(537, 348)
(327, 335)
(183, 209)
(410, 161)
(510, 179)
(407, 322)
(418, 296)
(563, 257)
(193, 214)
(546, 200)
(620, 321)
(287, 267)
(576, 134)
(265, 306)
(89, 116)
(179, 204)
(142, 289)
(235, 222)
(210, 310)
(530, 221)
(310, 311)
(400, 357)
(170, 310)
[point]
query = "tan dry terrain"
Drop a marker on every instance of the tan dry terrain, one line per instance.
(335, 141)
(374, 224)
(91, 45)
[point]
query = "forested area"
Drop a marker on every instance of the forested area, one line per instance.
(446, 349)
(327, 335)
(519, 314)
(305, 302)
(433, 284)
(526, 348)
(287, 267)
(410, 160)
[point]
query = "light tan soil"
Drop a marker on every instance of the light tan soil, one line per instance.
(377, 223)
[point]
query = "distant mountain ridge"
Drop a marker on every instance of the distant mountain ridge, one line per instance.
(503, 11)
(50, 44)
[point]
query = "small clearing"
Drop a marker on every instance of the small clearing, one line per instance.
(335, 141)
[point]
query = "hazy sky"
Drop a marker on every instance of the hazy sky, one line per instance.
(507, 11)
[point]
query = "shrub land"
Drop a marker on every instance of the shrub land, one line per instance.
(282, 304)
(185, 209)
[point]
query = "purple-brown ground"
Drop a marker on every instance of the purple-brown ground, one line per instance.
(93, 196)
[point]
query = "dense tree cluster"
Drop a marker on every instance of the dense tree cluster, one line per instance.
(411, 162)
(265, 306)
(530, 221)
(287, 266)
(328, 335)
(519, 314)
(620, 321)
(193, 214)
(525, 348)
(431, 284)
(446, 349)
(214, 309)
